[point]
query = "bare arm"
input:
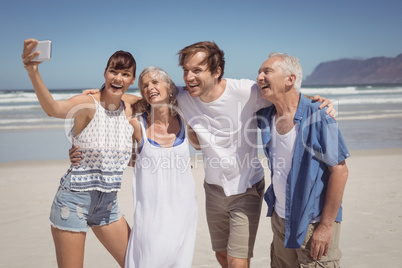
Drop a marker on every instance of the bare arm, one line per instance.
(131, 99)
(131, 163)
(128, 98)
(137, 139)
(323, 234)
(193, 139)
(60, 109)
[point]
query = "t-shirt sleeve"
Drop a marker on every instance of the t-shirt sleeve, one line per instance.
(180, 96)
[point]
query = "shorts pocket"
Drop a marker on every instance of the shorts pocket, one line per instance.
(258, 188)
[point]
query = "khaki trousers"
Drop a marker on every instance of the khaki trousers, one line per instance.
(282, 257)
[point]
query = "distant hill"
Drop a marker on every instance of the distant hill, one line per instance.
(379, 70)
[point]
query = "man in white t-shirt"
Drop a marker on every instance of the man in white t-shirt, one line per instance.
(222, 114)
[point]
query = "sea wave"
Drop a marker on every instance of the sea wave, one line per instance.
(368, 117)
(22, 121)
(35, 126)
(374, 100)
(367, 112)
(350, 90)
(21, 107)
(25, 97)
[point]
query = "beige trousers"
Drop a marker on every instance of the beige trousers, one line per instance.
(282, 257)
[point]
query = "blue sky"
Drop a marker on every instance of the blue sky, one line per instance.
(85, 34)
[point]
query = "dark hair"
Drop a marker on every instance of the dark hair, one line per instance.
(122, 60)
(215, 56)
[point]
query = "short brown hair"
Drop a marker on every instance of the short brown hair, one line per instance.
(215, 56)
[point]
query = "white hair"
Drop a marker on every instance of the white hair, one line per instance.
(142, 106)
(290, 65)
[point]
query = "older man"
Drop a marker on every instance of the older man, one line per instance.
(306, 155)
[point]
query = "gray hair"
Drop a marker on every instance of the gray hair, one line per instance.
(172, 89)
(290, 65)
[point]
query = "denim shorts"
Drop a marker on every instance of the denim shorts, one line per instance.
(76, 211)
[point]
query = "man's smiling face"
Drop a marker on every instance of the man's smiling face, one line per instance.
(198, 78)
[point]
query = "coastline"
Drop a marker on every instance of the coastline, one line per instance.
(54, 143)
(371, 228)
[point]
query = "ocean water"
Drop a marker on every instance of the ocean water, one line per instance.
(370, 117)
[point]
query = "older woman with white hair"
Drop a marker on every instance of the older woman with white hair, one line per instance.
(165, 207)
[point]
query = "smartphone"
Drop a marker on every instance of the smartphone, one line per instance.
(45, 48)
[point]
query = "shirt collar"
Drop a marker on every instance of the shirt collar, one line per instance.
(300, 109)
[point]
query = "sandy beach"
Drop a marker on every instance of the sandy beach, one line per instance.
(371, 229)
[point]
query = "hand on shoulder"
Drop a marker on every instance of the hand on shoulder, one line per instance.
(83, 98)
(131, 99)
(92, 91)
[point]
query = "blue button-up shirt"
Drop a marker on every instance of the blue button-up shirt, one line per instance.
(319, 145)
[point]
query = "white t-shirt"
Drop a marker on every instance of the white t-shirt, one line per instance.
(282, 148)
(227, 131)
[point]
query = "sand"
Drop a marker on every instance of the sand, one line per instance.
(371, 231)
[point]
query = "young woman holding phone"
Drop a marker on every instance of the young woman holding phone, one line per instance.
(87, 195)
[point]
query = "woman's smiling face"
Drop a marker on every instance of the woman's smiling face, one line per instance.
(154, 89)
(118, 81)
